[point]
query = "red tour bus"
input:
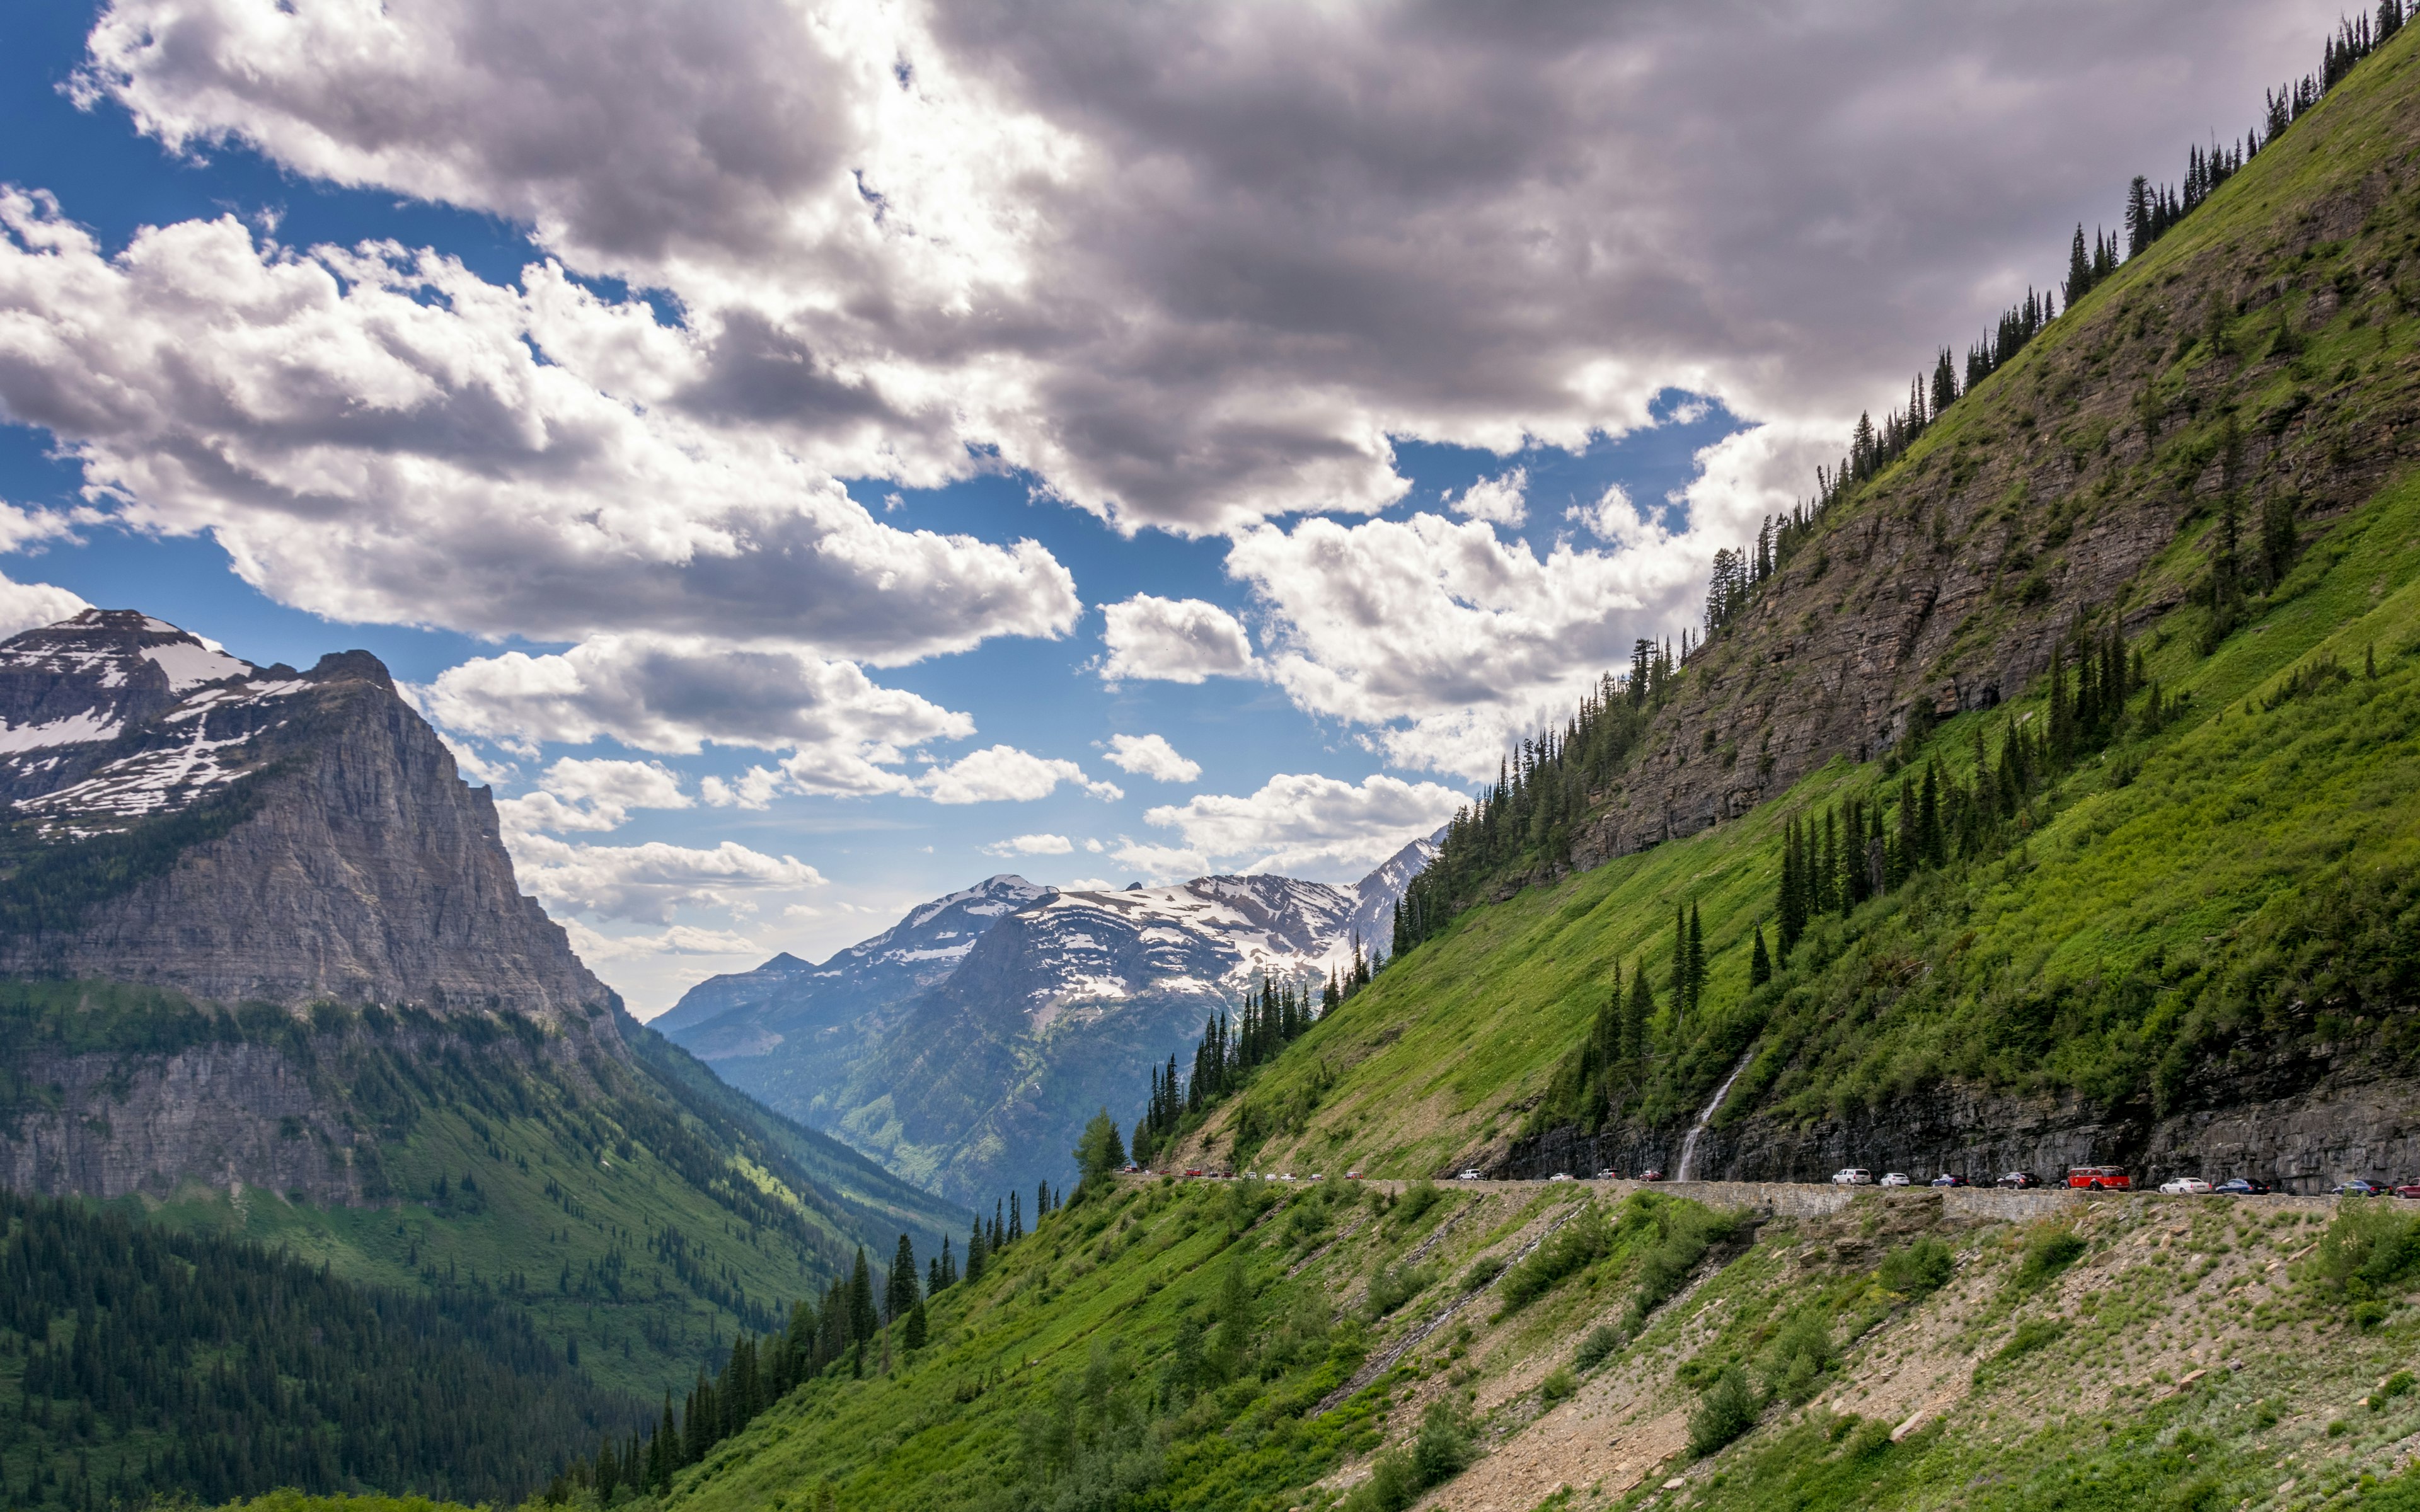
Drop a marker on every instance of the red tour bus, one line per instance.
(2100, 1177)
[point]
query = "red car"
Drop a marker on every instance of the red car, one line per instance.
(2099, 1178)
(2409, 1190)
(1651, 1176)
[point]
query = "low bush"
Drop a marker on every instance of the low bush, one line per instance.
(1584, 1239)
(1919, 1271)
(1673, 1236)
(2050, 1251)
(1601, 1340)
(1726, 1409)
(2031, 1334)
(2370, 1252)
(1559, 1385)
(1393, 1287)
(1417, 1200)
(1794, 1363)
(1482, 1270)
(1442, 1451)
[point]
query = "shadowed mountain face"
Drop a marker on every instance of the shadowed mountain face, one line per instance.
(966, 1046)
(180, 818)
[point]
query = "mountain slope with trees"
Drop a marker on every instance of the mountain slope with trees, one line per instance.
(269, 974)
(2136, 610)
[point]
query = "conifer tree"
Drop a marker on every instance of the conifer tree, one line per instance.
(1636, 1018)
(1697, 962)
(1759, 965)
(862, 1323)
(900, 1294)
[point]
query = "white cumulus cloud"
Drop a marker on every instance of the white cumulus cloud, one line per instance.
(1301, 825)
(1152, 756)
(377, 435)
(1033, 845)
(1004, 774)
(1174, 640)
(1497, 499)
(648, 883)
(27, 606)
(576, 793)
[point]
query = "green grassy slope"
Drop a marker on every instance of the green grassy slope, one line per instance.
(637, 1212)
(2163, 905)
(2128, 919)
(1169, 1344)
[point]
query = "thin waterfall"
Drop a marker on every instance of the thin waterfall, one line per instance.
(1689, 1146)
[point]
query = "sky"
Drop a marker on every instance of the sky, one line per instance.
(807, 458)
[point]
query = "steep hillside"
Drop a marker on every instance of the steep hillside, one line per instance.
(2171, 924)
(267, 970)
(1249, 1345)
(967, 1045)
(116, 1343)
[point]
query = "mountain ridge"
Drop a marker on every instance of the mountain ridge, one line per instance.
(966, 1044)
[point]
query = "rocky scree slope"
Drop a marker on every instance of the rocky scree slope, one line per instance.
(1499, 1350)
(967, 1045)
(2194, 950)
(263, 960)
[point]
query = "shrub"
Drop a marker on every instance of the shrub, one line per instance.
(1793, 1364)
(1482, 1270)
(1393, 1287)
(1417, 1200)
(2031, 1334)
(1920, 1270)
(2398, 1384)
(1726, 1409)
(2370, 1249)
(2048, 1252)
(1560, 1384)
(1678, 1234)
(1584, 1239)
(1441, 1452)
(1601, 1340)
(1443, 1449)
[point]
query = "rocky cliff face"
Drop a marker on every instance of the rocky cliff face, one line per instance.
(178, 819)
(183, 819)
(2302, 1127)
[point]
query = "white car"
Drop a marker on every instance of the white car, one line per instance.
(2186, 1186)
(1468, 1176)
(1560, 1175)
(1894, 1179)
(1853, 1176)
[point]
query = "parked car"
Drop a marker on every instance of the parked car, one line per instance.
(1560, 1175)
(2244, 1186)
(1352, 1176)
(2018, 1181)
(2357, 1188)
(1895, 1178)
(1853, 1176)
(1946, 1179)
(2185, 1186)
(1650, 1175)
(2099, 1178)
(1468, 1176)
(2409, 1190)
(1608, 1174)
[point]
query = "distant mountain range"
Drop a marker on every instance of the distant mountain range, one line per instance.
(965, 1045)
